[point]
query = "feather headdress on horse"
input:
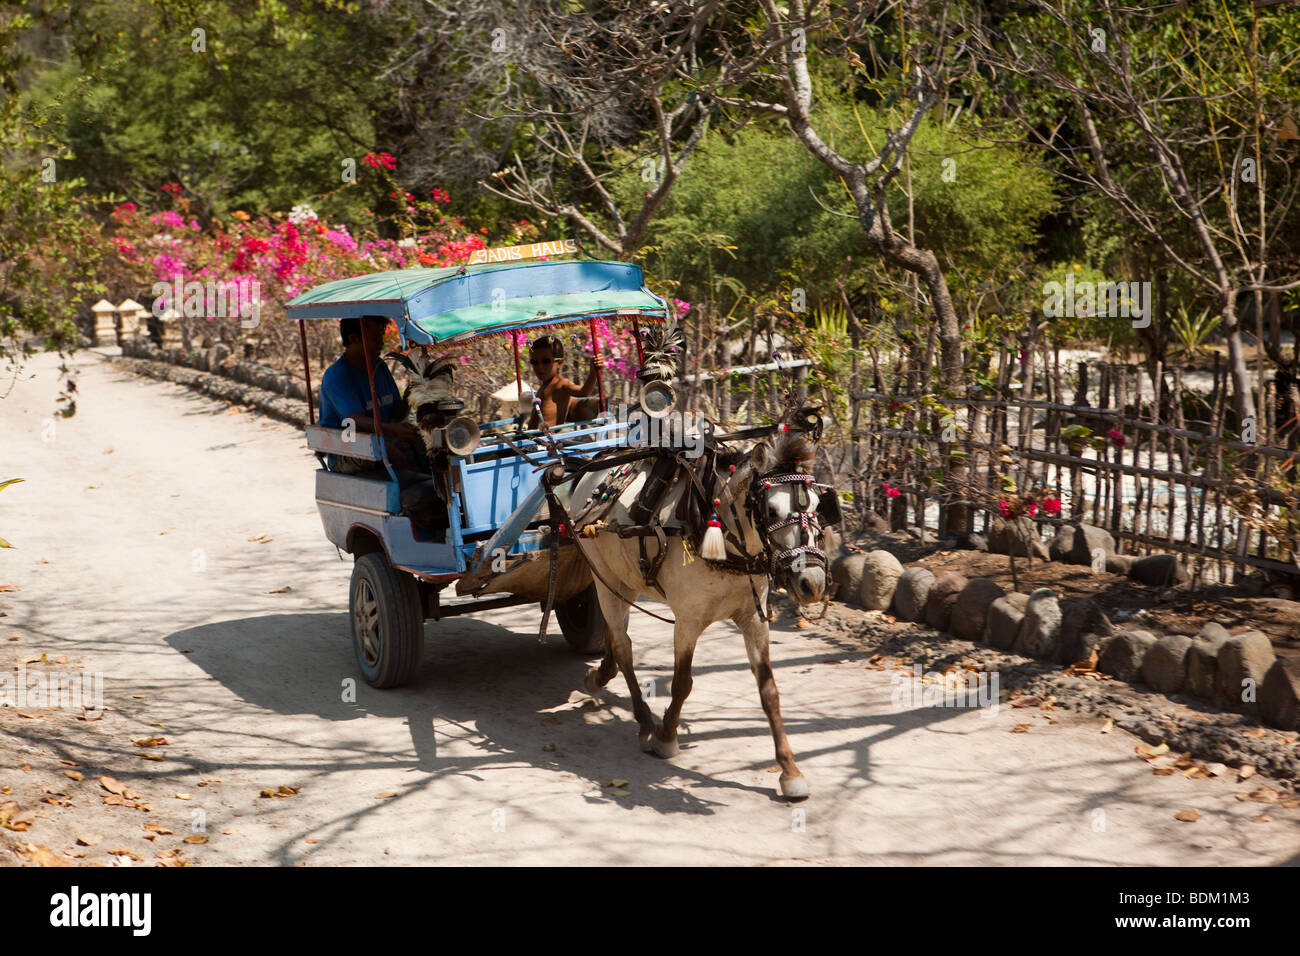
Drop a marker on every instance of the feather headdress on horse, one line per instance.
(661, 345)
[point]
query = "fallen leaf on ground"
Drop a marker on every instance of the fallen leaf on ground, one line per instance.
(9, 587)
(150, 756)
(775, 768)
(310, 840)
(68, 763)
(32, 659)
(44, 856)
(1108, 726)
(1187, 816)
(111, 785)
(149, 741)
(1216, 769)
(1262, 819)
(617, 782)
(123, 851)
(1020, 729)
(73, 774)
(1245, 772)
(196, 839)
(1253, 732)
(1262, 795)
(262, 539)
(157, 828)
(184, 796)
(1146, 751)
(284, 590)
(386, 795)
(1025, 702)
(229, 832)
(60, 659)
(90, 839)
(282, 792)
(23, 713)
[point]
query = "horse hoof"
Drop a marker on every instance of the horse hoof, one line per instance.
(646, 741)
(795, 788)
(592, 680)
(664, 748)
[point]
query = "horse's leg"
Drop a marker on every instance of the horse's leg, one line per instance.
(754, 628)
(685, 635)
(598, 677)
(618, 650)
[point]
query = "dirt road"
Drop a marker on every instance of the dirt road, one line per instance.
(154, 537)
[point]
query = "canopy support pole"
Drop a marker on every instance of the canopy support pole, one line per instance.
(595, 358)
(636, 334)
(519, 375)
(306, 371)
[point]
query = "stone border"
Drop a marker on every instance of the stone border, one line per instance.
(1239, 671)
(273, 393)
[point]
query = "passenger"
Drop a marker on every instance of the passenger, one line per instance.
(345, 393)
(561, 400)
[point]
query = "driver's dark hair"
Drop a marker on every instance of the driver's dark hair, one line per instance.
(351, 327)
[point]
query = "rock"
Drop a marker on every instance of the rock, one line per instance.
(970, 612)
(1060, 546)
(1244, 657)
(1017, 538)
(1158, 570)
(1119, 563)
(846, 570)
(1203, 662)
(976, 542)
(1041, 626)
(1003, 621)
(1164, 668)
(911, 593)
(943, 595)
(1087, 538)
(1214, 631)
(1081, 618)
(880, 574)
(876, 524)
(1124, 653)
(1279, 695)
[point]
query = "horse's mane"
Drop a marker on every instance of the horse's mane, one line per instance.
(793, 449)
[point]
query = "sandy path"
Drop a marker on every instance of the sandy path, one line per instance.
(152, 579)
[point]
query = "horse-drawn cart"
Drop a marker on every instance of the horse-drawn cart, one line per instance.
(498, 532)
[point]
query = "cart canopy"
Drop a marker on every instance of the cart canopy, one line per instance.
(442, 306)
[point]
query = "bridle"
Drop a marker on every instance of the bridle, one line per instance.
(808, 521)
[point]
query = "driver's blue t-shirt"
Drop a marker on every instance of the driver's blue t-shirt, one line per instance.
(345, 391)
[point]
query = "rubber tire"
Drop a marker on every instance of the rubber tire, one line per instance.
(582, 623)
(400, 621)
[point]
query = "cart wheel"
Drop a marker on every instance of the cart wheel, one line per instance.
(387, 622)
(582, 623)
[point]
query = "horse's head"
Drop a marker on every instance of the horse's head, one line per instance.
(788, 507)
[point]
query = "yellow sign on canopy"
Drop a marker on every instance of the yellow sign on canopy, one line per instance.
(560, 247)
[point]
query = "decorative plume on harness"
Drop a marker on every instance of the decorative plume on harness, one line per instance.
(714, 546)
(661, 345)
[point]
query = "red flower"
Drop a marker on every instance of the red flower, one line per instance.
(1052, 506)
(1118, 438)
(375, 160)
(1007, 511)
(890, 491)
(174, 188)
(483, 229)
(1032, 508)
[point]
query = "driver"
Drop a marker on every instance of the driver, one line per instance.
(345, 393)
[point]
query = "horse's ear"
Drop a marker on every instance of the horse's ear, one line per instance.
(763, 457)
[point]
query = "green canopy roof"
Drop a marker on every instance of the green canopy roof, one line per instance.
(440, 306)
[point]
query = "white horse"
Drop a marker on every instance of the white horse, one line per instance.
(767, 505)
